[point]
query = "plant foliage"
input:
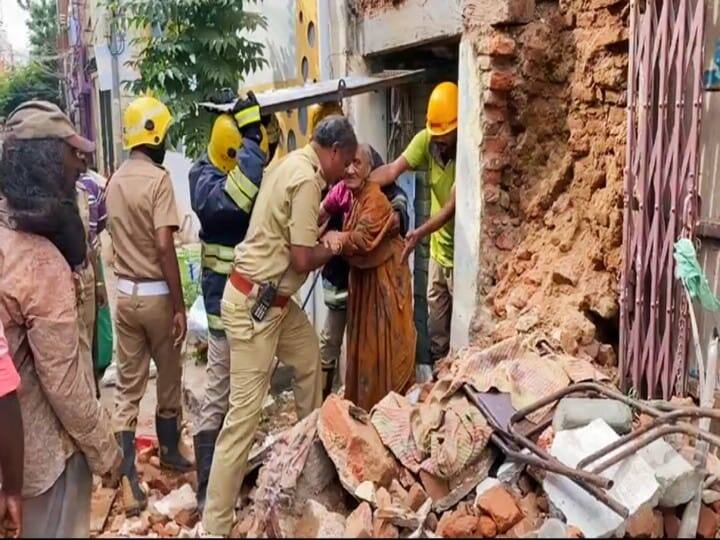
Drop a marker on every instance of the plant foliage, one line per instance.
(186, 51)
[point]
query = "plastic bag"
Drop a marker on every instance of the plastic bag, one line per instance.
(197, 322)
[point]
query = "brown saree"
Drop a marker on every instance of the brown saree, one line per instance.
(380, 328)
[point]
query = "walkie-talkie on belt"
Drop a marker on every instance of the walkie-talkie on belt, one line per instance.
(265, 300)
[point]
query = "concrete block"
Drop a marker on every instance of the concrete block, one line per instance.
(678, 479)
(634, 482)
(573, 413)
(552, 528)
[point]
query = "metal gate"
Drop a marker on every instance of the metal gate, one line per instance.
(665, 95)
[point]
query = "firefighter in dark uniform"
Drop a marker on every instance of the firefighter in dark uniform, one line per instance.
(223, 185)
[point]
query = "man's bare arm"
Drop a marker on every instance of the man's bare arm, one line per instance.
(387, 174)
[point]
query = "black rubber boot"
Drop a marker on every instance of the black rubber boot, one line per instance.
(204, 451)
(168, 433)
(134, 498)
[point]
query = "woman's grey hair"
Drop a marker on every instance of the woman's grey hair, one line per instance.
(366, 151)
(335, 130)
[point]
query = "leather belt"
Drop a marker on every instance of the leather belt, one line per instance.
(245, 286)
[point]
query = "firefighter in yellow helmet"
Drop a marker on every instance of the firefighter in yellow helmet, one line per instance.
(150, 314)
(223, 186)
(433, 150)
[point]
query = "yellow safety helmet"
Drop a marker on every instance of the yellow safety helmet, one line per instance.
(145, 121)
(319, 111)
(225, 140)
(442, 110)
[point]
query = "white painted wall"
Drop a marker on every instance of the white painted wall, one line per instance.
(468, 196)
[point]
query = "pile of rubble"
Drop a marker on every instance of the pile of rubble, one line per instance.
(505, 442)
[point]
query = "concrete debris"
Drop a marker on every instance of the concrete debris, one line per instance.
(678, 479)
(708, 522)
(634, 481)
(318, 522)
(573, 413)
(552, 528)
(176, 501)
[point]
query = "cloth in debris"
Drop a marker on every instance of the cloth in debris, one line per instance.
(688, 270)
(60, 412)
(380, 328)
(514, 367)
(442, 435)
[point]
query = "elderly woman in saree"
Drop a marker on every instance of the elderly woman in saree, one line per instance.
(380, 328)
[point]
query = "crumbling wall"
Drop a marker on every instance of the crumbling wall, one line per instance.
(553, 158)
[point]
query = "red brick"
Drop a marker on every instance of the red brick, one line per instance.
(359, 524)
(491, 194)
(708, 522)
(486, 527)
(458, 526)
(500, 45)
(353, 444)
(416, 497)
(494, 114)
(494, 161)
(436, 487)
(385, 529)
(646, 523)
(501, 506)
(492, 178)
(496, 144)
(502, 81)
(672, 524)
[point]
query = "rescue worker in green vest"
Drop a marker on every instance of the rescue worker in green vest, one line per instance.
(433, 150)
(261, 318)
(223, 185)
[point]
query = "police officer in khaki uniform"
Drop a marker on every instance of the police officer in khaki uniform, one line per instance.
(260, 317)
(150, 315)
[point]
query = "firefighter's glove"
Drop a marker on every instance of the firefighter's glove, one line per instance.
(247, 116)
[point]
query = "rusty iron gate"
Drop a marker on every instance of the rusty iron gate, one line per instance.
(665, 93)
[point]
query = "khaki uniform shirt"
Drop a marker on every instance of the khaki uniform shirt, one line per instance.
(140, 199)
(285, 213)
(60, 412)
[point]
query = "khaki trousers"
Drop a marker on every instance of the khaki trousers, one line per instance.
(144, 330)
(286, 333)
(331, 340)
(440, 299)
(217, 386)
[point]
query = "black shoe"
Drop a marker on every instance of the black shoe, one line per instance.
(134, 498)
(168, 433)
(328, 379)
(204, 451)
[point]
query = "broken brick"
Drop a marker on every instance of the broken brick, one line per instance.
(353, 444)
(671, 524)
(416, 497)
(384, 529)
(187, 518)
(500, 45)
(501, 81)
(398, 492)
(436, 487)
(431, 522)
(646, 523)
(707, 523)
(486, 527)
(501, 506)
(359, 523)
(460, 527)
